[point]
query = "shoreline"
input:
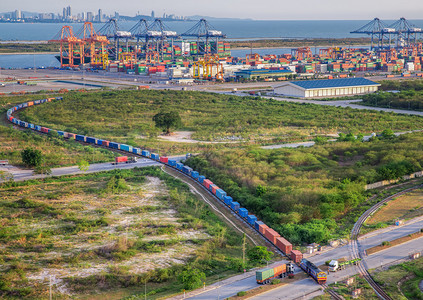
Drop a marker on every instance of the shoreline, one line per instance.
(29, 53)
(294, 46)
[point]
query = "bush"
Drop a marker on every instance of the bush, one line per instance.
(385, 243)
(31, 157)
(276, 281)
(241, 293)
(191, 278)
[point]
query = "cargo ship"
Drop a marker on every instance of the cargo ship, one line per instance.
(76, 60)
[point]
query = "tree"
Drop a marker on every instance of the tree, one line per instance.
(32, 157)
(83, 165)
(259, 254)
(191, 278)
(167, 120)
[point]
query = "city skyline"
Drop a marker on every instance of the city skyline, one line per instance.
(281, 10)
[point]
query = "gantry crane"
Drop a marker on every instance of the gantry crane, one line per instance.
(71, 48)
(208, 68)
(98, 56)
(302, 53)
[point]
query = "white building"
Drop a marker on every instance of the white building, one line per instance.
(327, 87)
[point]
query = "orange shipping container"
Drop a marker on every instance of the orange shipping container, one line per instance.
(271, 235)
(284, 245)
(262, 228)
(30, 103)
(296, 256)
(279, 269)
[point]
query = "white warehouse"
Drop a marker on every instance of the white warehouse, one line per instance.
(327, 87)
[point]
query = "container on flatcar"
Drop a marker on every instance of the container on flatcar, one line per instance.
(214, 189)
(243, 212)
(154, 156)
(91, 140)
(271, 235)
(207, 183)
(126, 148)
(228, 200)
(187, 170)
(81, 138)
(106, 143)
(61, 133)
(296, 256)
(71, 136)
(201, 178)
(179, 166)
(136, 151)
(38, 127)
(145, 153)
(99, 142)
(235, 206)
(251, 219)
(260, 227)
(172, 163)
(284, 245)
(164, 159)
(45, 130)
(114, 145)
(195, 174)
(220, 194)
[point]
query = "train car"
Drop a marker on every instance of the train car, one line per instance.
(179, 166)
(260, 227)
(227, 200)
(126, 148)
(220, 194)
(313, 271)
(235, 206)
(105, 143)
(164, 159)
(207, 183)
(99, 142)
(30, 103)
(211, 186)
(172, 163)
(154, 156)
(38, 127)
(195, 174)
(251, 219)
(243, 212)
(145, 153)
(71, 136)
(114, 145)
(91, 140)
(136, 151)
(201, 178)
(45, 130)
(187, 170)
(61, 133)
(81, 138)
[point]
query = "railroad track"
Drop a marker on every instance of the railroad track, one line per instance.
(331, 292)
(354, 246)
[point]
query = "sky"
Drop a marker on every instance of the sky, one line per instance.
(253, 9)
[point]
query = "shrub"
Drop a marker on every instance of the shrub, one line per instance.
(241, 293)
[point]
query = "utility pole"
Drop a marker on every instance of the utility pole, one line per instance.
(50, 289)
(243, 251)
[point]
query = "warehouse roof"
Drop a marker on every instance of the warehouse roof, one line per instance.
(263, 71)
(333, 83)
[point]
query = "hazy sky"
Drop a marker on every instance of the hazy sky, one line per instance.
(255, 9)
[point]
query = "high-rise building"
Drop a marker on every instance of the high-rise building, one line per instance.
(90, 16)
(152, 14)
(68, 12)
(100, 15)
(83, 16)
(64, 13)
(17, 14)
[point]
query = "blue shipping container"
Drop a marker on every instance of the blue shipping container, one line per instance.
(136, 151)
(179, 166)
(235, 206)
(61, 133)
(220, 194)
(201, 178)
(243, 212)
(257, 223)
(114, 145)
(80, 138)
(211, 187)
(99, 142)
(187, 170)
(91, 140)
(172, 162)
(38, 127)
(32, 126)
(194, 174)
(155, 156)
(125, 148)
(251, 219)
(228, 200)
(145, 153)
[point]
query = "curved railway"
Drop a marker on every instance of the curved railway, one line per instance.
(357, 252)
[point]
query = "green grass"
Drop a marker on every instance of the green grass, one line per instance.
(308, 194)
(126, 116)
(72, 224)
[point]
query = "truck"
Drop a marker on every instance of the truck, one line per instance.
(266, 275)
(124, 159)
(340, 264)
(4, 162)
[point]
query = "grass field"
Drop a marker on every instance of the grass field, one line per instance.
(126, 116)
(404, 207)
(108, 233)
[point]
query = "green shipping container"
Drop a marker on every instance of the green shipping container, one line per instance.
(265, 274)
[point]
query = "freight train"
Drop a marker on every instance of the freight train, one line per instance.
(313, 271)
(271, 235)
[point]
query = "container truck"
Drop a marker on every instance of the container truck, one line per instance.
(340, 264)
(266, 275)
(124, 159)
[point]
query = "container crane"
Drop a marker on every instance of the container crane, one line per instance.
(98, 56)
(407, 33)
(208, 68)
(302, 53)
(111, 31)
(138, 31)
(159, 33)
(377, 30)
(71, 48)
(204, 32)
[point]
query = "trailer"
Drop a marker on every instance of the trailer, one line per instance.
(266, 275)
(124, 159)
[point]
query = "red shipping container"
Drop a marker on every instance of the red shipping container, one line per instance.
(262, 228)
(214, 189)
(284, 245)
(296, 256)
(271, 235)
(164, 159)
(30, 103)
(121, 159)
(105, 143)
(10, 118)
(207, 183)
(44, 129)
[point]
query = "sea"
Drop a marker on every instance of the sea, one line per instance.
(234, 30)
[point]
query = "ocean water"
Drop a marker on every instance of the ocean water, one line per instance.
(237, 29)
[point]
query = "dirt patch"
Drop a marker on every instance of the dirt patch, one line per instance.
(404, 207)
(394, 243)
(186, 137)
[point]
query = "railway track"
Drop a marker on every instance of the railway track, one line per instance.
(357, 252)
(331, 292)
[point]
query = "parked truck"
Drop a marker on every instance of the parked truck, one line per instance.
(340, 264)
(266, 275)
(124, 159)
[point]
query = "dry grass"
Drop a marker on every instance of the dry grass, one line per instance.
(404, 207)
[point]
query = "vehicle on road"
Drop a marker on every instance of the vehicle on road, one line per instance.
(340, 264)
(124, 159)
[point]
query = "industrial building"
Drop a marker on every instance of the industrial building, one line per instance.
(327, 87)
(262, 73)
